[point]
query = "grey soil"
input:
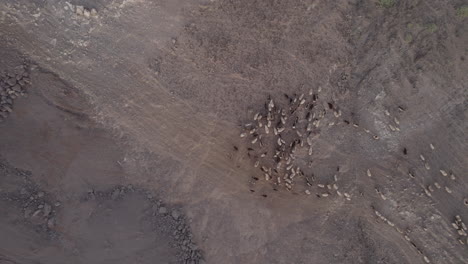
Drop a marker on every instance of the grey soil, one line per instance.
(120, 124)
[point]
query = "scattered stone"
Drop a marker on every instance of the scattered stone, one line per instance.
(79, 10)
(162, 210)
(12, 85)
(175, 214)
(115, 194)
(27, 212)
(86, 13)
(47, 209)
(16, 88)
(11, 81)
(51, 223)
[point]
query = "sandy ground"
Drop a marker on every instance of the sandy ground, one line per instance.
(126, 147)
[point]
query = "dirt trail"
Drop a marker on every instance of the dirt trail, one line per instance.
(153, 93)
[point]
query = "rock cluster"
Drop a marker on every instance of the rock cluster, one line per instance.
(168, 219)
(177, 224)
(13, 84)
(82, 11)
(39, 207)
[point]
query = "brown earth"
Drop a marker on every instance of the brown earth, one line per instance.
(126, 148)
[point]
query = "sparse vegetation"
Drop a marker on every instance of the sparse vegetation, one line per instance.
(462, 11)
(408, 38)
(432, 27)
(386, 3)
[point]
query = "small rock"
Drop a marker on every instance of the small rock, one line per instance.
(115, 194)
(17, 88)
(51, 223)
(40, 194)
(47, 209)
(36, 213)
(27, 212)
(20, 70)
(93, 12)
(193, 247)
(79, 10)
(7, 108)
(91, 195)
(162, 210)
(175, 214)
(86, 13)
(11, 81)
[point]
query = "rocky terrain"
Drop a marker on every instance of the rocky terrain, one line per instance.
(217, 131)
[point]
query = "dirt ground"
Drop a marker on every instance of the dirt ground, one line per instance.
(120, 124)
